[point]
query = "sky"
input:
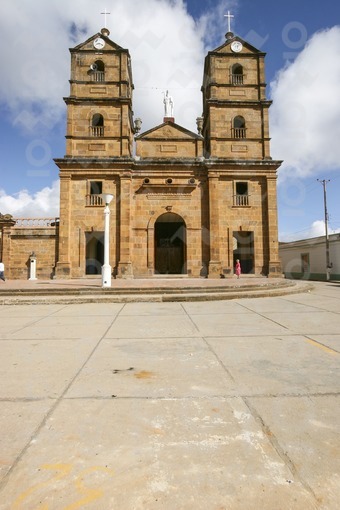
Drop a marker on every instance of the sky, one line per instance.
(168, 41)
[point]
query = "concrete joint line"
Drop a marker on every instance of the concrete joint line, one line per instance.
(278, 448)
(210, 348)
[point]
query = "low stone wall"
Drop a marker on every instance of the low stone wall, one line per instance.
(21, 241)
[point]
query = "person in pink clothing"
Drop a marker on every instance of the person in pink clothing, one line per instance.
(237, 268)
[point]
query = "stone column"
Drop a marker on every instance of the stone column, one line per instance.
(63, 267)
(215, 267)
(274, 265)
(125, 265)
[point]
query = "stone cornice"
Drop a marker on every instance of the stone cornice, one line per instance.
(121, 164)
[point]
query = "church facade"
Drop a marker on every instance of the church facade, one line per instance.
(184, 203)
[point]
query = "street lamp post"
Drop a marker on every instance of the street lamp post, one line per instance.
(106, 268)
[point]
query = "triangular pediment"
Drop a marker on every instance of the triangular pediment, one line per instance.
(168, 131)
(227, 47)
(89, 44)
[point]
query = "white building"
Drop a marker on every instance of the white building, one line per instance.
(306, 258)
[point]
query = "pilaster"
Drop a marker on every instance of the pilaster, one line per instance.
(63, 267)
(274, 265)
(215, 266)
(125, 269)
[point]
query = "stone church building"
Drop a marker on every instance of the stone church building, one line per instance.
(184, 203)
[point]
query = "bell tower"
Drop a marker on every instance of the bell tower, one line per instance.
(235, 107)
(99, 135)
(241, 173)
(99, 108)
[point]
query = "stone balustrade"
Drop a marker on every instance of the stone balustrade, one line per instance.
(36, 222)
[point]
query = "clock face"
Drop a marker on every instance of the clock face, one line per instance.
(236, 46)
(99, 43)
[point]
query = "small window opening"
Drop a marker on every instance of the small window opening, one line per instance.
(97, 125)
(94, 196)
(239, 127)
(97, 71)
(242, 197)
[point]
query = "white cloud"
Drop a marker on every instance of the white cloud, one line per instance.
(43, 204)
(166, 46)
(305, 125)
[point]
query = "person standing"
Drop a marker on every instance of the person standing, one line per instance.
(237, 268)
(2, 271)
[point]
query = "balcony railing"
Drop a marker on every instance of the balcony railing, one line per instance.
(241, 200)
(238, 133)
(93, 200)
(98, 76)
(236, 79)
(97, 131)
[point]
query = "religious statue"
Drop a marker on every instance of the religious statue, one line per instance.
(168, 105)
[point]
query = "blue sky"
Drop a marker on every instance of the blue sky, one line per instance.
(168, 41)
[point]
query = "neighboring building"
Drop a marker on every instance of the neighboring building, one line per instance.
(307, 258)
(184, 203)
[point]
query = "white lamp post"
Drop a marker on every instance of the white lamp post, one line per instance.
(106, 268)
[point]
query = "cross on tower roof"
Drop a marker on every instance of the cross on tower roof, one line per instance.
(229, 16)
(105, 14)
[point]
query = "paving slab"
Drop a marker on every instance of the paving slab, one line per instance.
(27, 311)
(275, 304)
(146, 368)
(166, 326)
(40, 368)
(234, 325)
(215, 307)
(133, 309)
(317, 321)
(272, 365)
(51, 327)
(88, 310)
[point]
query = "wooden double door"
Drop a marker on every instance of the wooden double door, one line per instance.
(170, 246)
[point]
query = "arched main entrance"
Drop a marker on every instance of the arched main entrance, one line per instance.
(170, 244)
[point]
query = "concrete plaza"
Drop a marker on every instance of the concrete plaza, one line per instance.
(219, 405)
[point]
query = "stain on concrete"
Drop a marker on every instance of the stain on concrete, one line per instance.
(144, 374)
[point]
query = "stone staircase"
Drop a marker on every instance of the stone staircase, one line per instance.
(49, 293)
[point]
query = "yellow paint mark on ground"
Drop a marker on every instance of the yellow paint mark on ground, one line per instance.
(144, 374)
(323, 347)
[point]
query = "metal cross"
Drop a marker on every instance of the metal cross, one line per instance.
(105, 14)
(229, 16)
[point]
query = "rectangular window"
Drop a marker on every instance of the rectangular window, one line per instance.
(96, 187)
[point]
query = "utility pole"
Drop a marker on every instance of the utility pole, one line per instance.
(328, 264)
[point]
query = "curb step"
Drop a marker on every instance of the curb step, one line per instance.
(132, 295)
